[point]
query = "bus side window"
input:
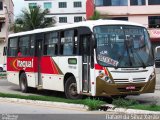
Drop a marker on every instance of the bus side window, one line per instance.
(50, 44)
(32, 49)
(24, 45)
(69, 42)
(13, 47)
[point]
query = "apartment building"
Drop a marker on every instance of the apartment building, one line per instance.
(6, 18)
(146, 12)
(65, 11)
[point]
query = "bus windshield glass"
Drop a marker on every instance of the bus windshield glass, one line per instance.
(123, 46)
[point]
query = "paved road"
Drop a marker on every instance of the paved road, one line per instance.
(7, 87)
(29, 111)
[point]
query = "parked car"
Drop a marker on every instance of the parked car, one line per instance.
(157, 56)
(3, 67)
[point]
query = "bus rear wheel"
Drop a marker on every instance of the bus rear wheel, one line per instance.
(23, 83)
(71, 89)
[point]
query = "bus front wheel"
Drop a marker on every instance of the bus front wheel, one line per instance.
(71, 89)
(23, 83)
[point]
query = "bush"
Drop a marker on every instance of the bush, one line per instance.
(120, 102)
(93, 104)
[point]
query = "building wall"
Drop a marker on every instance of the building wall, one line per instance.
(57, 12)
(135, 13)
(89, 8)
(5, 26)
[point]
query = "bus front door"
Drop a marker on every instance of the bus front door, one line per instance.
(85, 48)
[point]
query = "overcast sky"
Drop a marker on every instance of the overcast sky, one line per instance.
(18, 5)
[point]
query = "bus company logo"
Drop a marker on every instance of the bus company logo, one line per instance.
(19, 63)
(25, 64)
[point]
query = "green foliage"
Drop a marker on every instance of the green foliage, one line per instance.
(31, 19)
(146, 107)
(120, 102)
(93, 104)
(95, 16)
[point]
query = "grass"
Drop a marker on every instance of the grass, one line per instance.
(2, 74)
(120, 102)
(146, 107)
(93, 104)
(133, 104)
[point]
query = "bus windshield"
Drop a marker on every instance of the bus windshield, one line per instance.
(123, 46)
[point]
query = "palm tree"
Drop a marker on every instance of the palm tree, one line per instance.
(33, 18)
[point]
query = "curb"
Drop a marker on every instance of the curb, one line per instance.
(133, 111)
(46, 103)
(111, 108)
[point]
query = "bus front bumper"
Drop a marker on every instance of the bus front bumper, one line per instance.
(106, 89)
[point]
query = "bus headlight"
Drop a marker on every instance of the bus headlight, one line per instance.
(104, 77)
(107, 79)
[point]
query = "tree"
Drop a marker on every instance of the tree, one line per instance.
(33, 18)
(95, 16)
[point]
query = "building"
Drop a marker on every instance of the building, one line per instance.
(6, 18)
(65, 11)
(146, 12)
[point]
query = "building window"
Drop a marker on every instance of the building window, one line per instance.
(154, 21)
(111, 2)
(62, 19)
(137, 2)
(32, 5)
(77, 4)
(0, 26)
(1, 5)
(47, 5)
(99, 3)
(153, 2)
(120, 18)
(77, 19)
(62, 4)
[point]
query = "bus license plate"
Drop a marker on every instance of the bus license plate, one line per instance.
(130, 88)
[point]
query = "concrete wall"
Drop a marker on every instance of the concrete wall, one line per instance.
(5, 26)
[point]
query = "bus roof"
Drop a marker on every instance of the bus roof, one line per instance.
(90, 24)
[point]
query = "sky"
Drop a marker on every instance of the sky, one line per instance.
(18, 6)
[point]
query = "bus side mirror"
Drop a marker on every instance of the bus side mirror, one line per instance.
(5, 51)
(157, 56)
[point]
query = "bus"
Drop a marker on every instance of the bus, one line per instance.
(94, 58)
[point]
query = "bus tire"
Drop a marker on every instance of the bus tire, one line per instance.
(71, 89)
(23, 83)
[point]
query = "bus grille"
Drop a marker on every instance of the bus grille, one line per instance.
(135, 80)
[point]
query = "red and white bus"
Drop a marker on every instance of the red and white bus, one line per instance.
(95, 58)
